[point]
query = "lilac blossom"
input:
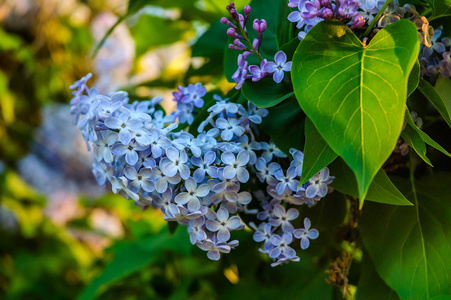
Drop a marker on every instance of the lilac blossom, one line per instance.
(223, 224)
(279, 66)
(125, 125)
(192, 194)
(306, 234)
(282, 217)
(236, 166)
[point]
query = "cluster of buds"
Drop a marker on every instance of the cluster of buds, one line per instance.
(239, 31)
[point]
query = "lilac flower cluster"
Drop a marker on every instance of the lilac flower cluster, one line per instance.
(188, 98)
(237, 29)
(197, 181)
(311, 12)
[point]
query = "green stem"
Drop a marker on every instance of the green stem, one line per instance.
(107, 34)
(376, 18)
(251, 47)
(426, 11)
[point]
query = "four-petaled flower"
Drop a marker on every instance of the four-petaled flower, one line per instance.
(236, 166)
(223, 224)
(304, 234)
(279, 67)
(192, 193)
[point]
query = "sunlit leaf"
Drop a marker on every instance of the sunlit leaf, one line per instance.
(355, 94)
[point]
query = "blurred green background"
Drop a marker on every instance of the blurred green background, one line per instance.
(61, 235)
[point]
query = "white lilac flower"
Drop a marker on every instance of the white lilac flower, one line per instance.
(298, 159)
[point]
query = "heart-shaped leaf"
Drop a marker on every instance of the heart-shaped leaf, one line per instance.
(355, 94)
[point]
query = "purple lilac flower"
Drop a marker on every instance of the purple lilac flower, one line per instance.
(258, 72)
(192, 193)
(205, 166)
(196, 231)
(282, 217)
(138, 180)
(80, 87)
(213, 248)
(165, 203)
(194, 94)
(102, 149)
(304, 234)
(125, 125)
(318, 184)
(229, 128)
(312, 9)
(176, 163)
(266, 172)
(270, 150)
(286, 181)
(279, 67)
(281, 246)
(130, 151)
(348, 8)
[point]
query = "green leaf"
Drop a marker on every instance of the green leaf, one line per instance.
(382, 190)
(317, 154)
(135, 5)
(355, 94)
(443, 88)
(266, 93)
(410, 246)
(284, 125)
(162, 31)
(271, 11)
(418, 139)
(132, 256)
(431, 94)
(371, 286)
(416, 142)
(414, 78)
(212, 42)
(440, 8)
